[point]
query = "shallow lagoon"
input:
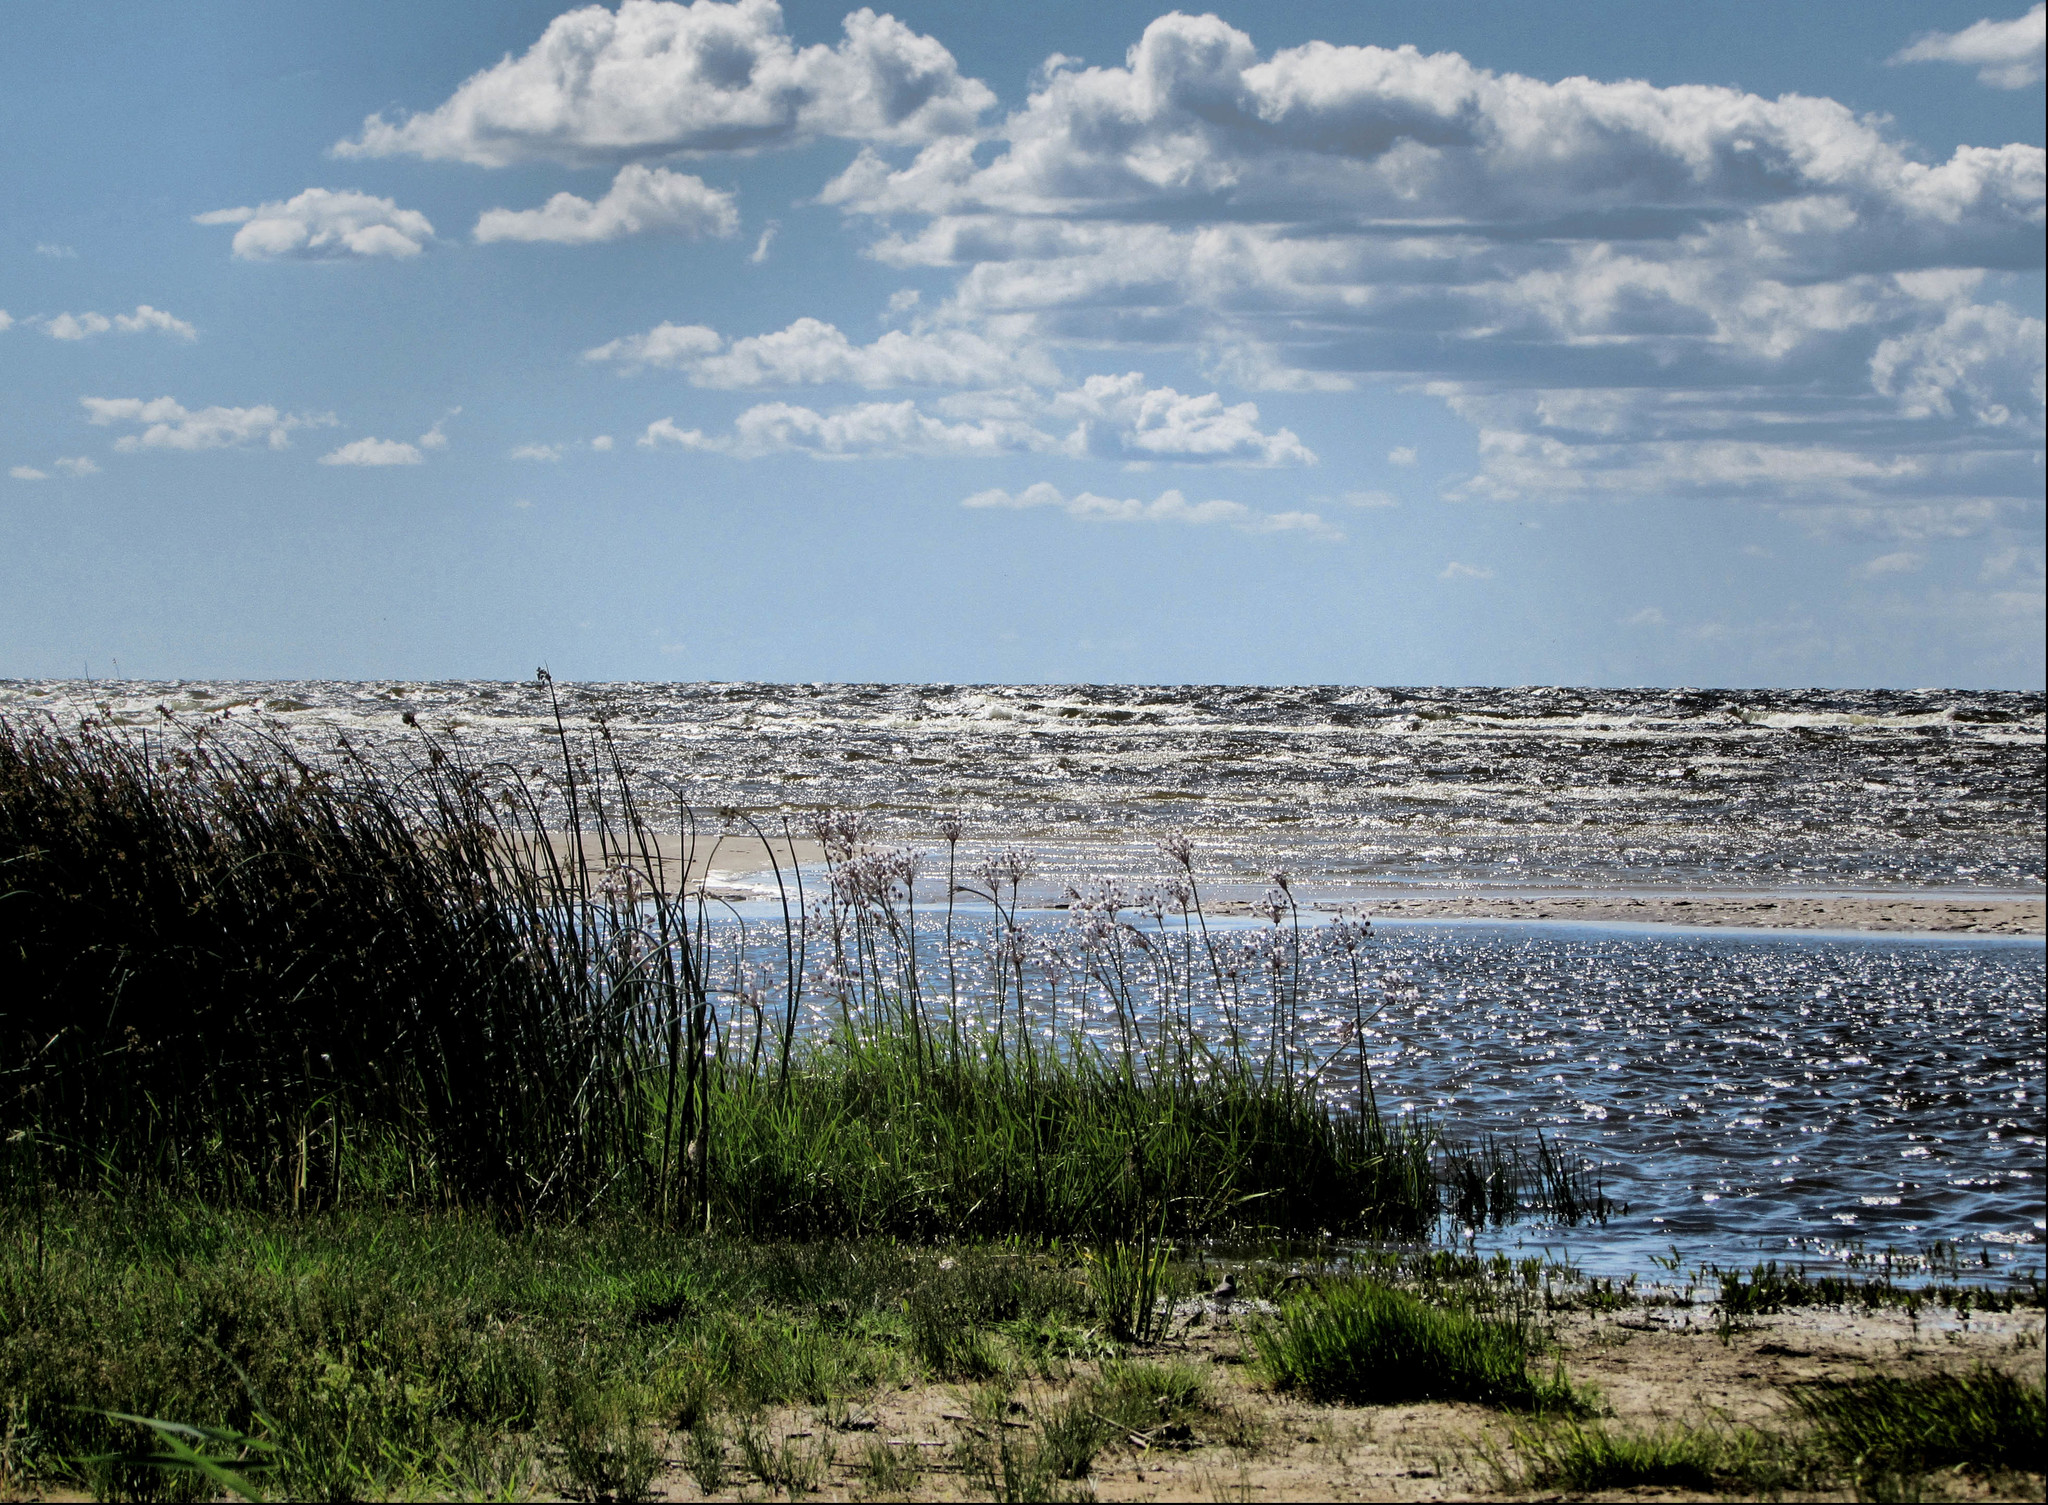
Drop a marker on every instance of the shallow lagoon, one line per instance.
(1748, 1095)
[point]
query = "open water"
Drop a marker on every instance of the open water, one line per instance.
(1346, 787)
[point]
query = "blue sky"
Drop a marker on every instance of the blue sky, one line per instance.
(1589, 343)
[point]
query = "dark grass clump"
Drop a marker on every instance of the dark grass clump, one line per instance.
(1586, 1459)
(1368, 1344)
(237, 976)
(1882, 1425)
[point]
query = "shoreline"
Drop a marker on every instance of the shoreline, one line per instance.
(1905, 915)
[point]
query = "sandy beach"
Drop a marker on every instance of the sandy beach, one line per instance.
(1917, 914)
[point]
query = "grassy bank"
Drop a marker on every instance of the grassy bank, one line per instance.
(246, 979)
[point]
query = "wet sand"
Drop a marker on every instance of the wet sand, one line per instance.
(1918, 914)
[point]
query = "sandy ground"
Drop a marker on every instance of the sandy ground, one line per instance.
(1651, 1366)
(1919, 914)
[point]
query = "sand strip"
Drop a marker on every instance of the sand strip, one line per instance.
(1919, 915)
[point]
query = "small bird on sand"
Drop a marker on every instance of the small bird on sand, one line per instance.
(1226, 1290)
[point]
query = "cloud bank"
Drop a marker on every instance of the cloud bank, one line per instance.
(1627, 289)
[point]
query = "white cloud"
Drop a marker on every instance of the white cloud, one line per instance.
(55, 251)
(1628, 289)
(868, 429)
(1121, 416)
(1901, 563)
(374, 452)
(77, 465)
(1457, 571)
(810, 352)
(1401, 454)
(437, 436)
(1982, 363)
(656, 79)
(1167, 507)
(640, 199)
(324, 224)
(167, 424)
(28, 473)
(2008, 54)
(1372, 499)
(602, 443)
(547, 452)
(143, 321)
(760, 251)
(1649, 616)
(1116, 417)
(6, 319)
(76, 326)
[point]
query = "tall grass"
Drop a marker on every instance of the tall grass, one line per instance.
(260, 980)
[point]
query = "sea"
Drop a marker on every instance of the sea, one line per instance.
(1862, 1101)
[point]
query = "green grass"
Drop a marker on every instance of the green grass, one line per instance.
(1879, 1436)
(1588, 1458)
(391, 1352)
(1367, 1344)
(1883, 1425)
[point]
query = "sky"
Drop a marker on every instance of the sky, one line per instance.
(1457, 343)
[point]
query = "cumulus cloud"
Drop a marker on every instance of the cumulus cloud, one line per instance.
(1627, 288)
(654, 79)
(640, 199)
(1121, 416)
(145, 320)
(167, 424)
(810, 352)
(1401, 454)
(544, 452)
(78, 465)
(374, 452)
(324, 224)
(6, 319)
(28, 473)
(760, 252)
(1167, 507)
(2007, 54)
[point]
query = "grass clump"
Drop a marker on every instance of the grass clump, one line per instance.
(1368, 1344)
(1883, 1425)
(1584, 1459)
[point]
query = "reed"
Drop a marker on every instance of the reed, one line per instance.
(257, 980)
